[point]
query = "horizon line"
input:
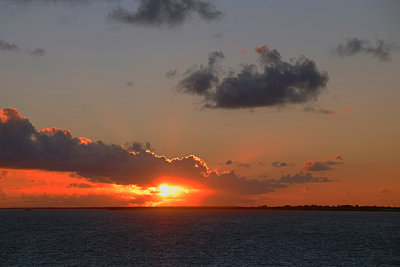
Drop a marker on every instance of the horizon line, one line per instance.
(261, 207)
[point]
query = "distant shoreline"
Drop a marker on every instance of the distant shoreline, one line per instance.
(286, 207)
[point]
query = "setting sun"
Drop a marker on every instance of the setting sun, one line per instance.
(166, 190)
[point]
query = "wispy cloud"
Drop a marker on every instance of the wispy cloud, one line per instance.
(200, 80)
(39, 52)
(301, 178)
(171, 74)
(6, 46)
(353, 46)
(238, 164)
(315, 166)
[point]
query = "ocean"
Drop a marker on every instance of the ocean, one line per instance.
(100, 237)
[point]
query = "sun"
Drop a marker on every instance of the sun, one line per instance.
(166, 190)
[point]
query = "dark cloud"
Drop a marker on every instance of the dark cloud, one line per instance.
(138, 147)
(335, 160)
(301, 178)
(232, 190)
(279, 83)
(234, 184)
(23, 147)
(200, 80)
(315, 166)
(129, 84)
(171, 74)
(52, 149)
(238, 164)
(279, 164)
(353, 46)
(165, 12)
(39, 52)
(6, 46)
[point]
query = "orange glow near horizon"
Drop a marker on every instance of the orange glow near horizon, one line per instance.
(35, 188)
(20, 188)
(175, 191)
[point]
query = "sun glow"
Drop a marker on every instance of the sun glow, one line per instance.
(165, 190)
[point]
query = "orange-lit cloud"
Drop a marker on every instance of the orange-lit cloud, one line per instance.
(51, 165)
(241, 50)
(261, 49)
(43, 188)
(346, 109)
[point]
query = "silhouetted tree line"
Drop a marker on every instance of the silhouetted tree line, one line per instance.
(332, 208)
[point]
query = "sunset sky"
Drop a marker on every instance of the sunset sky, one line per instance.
(194, 102)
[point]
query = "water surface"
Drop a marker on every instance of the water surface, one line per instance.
(199, 237)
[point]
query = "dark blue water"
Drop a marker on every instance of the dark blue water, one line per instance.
(199, 237)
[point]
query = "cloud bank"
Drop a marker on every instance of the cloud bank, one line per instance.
(165, 12)
(276, 83)
(353, 46)
(53, 149)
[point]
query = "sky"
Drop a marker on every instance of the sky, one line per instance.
(195, 102)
